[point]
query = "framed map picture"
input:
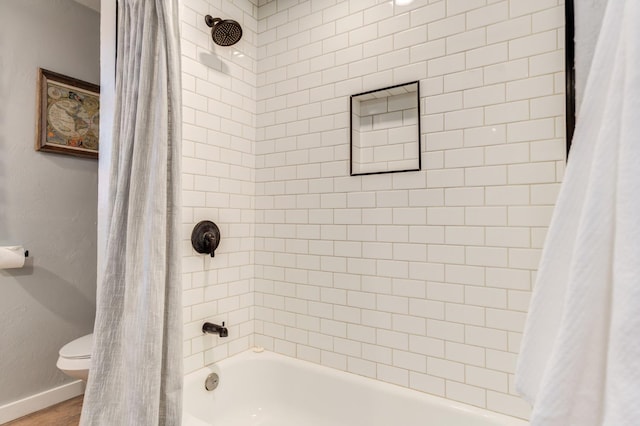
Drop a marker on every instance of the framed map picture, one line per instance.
(68, 115)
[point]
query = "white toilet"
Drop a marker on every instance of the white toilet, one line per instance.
(75, 357)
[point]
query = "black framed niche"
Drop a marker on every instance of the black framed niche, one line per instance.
(385, 130)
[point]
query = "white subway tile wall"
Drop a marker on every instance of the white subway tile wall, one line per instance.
(219, 133)
(420, 279)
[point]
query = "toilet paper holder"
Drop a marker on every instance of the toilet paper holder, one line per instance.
(205, 237)
(12, 257)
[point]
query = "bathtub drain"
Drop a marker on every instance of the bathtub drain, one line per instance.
(211, 382)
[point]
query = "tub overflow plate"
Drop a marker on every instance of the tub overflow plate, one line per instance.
(211, 382)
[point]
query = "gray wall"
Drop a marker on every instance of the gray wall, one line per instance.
(47, 201)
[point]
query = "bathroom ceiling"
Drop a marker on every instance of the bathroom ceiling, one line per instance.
(93, 4)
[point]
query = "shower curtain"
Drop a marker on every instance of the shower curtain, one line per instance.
(136, 370)
(580, 356)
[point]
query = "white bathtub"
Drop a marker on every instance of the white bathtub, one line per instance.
(266, 389)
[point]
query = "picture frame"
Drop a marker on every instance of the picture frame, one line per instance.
(68, 115)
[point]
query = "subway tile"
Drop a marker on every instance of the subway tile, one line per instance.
(508, 237)
(491, 54)
(445, 292)
(411, 37)
(426, 197)
(444, 103)
(507, 154)
(467, 157)
(363, 34)
(464, 196)
(487, 95)
(426, 51)
(516, 279)
(445, 140)
(446, 27)
(446, 65)
(426, 383)
(550, 106)
(464, 314)
(487, 379)
(524, 7)
(397, 376)
(428, 13)
(487, 256)
(509, 30)
(532, 173)
(507, 112)
(508, 404)
(410, 361)
(530, 88)
(445, 216)
(485, 16)
(464, 119)
(544, 194)
(532, 45)
(455, 7)
(524, 258)
(392, 339)
(486, 337)
(426, 234)
(464, 393)
(501, 361)
(547, 63)
(519, 300)
(507, 71)
(463, 80)
(466, 41)
(487, 297)
(371, 319)
(398, 22)
(464, 274)
(505, 320)
(426, 345)
(409, 324)
(485, 176)
(486, 135)
(538, 236)
(445, 369)
(410, 252)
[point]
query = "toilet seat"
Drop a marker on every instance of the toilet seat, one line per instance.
(75, 357)
(78, 349)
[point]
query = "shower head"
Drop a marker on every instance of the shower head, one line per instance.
(224, 32)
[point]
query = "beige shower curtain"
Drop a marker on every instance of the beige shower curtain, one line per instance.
(136, 372)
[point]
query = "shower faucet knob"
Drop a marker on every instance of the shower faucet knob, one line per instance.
(205, 237)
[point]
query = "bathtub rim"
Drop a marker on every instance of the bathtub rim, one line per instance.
(199, 375)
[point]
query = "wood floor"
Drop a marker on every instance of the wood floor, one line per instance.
(66, 413)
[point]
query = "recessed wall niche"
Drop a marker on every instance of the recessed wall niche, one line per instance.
(385, 130)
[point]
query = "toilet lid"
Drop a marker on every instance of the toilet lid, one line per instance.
(79, 348)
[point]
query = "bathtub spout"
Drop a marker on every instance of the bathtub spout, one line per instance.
(210, 328)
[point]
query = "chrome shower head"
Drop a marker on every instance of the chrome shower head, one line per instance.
(224, 32)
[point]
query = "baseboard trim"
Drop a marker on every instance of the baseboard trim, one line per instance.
(33, 403)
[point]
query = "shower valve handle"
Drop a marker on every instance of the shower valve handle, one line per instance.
(205, 237)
